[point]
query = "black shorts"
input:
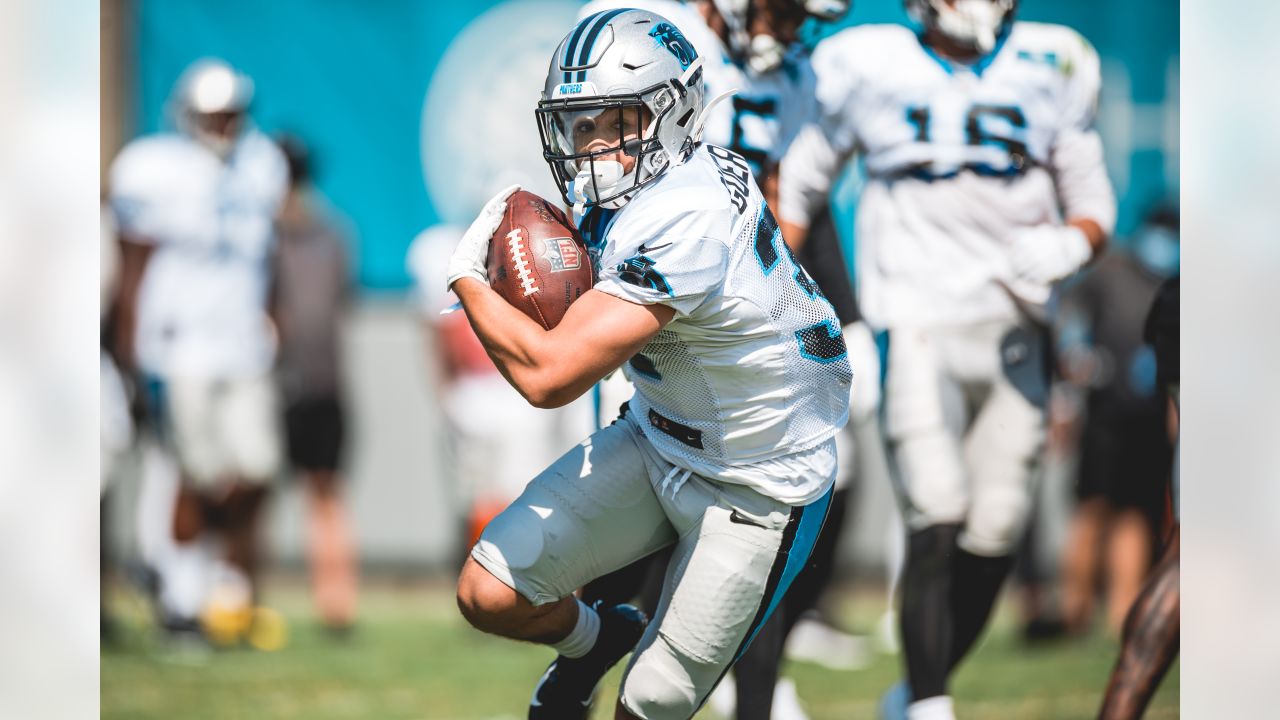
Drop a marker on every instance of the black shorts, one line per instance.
(314, 431)
(1127, 462)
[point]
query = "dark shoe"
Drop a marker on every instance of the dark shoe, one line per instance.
(568, 686)
(1039, 630)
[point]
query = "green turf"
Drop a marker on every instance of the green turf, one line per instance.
(412, 657)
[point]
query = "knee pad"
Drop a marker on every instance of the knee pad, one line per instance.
(664, 684)
(996, 521)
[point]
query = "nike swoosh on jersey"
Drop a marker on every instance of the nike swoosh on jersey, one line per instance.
(651, 248)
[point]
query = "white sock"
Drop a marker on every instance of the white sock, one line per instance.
(934, 708)
(582, 638)
(185, 579)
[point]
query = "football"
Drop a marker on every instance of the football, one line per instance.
(537, 261)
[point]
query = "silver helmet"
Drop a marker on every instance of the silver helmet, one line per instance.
(764, 53)
(973, 24)
(210, 100)
(638, 65)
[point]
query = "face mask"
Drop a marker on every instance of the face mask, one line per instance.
(766, 54)
(1158, 250)
(597, 180)
(972, 22)
(220, 145)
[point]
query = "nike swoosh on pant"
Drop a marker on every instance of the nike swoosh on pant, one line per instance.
(740, 519)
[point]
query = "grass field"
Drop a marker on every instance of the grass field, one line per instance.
(412, 657)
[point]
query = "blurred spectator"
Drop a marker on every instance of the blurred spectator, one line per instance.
(311, 292)
(1126, 454)
(195, 211)
(1153, 628)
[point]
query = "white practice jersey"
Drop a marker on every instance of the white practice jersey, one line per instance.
(202, 305)
(750, 380)
(765, 113)
(958, 158)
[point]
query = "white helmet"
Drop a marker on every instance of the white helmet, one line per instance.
(764, 53)
(210, 100)
(629, 60)
(971, 23)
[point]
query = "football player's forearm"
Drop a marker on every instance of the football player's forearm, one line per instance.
(794, 234)
(1087, 197)
(805, 179)
(516, 344)
(769, 186)
(1093, 232)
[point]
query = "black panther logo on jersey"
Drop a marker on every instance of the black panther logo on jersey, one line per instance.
(671, 38)
(639, 271)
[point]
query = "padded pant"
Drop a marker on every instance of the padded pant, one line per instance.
(965, 418)
(612, 500)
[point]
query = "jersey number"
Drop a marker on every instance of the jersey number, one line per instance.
(763, 108)
(823, 341)
(976, 134)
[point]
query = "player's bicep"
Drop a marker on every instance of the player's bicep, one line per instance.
(598, 333)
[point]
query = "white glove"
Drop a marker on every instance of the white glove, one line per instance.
(1045, 254)
(864, 358)
(470, 257)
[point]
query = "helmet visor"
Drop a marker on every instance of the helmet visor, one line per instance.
(578, 134)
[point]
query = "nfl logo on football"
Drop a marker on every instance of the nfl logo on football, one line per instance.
(562, 254)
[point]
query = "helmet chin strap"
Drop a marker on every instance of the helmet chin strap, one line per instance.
(217, 144)
(595, 180)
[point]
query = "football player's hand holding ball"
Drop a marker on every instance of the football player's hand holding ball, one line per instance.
(1047, 253)
(469, 257)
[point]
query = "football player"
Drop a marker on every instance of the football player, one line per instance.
(752, 55)
(195, 210)
(725, 451)
(985, 187)
(753, 60)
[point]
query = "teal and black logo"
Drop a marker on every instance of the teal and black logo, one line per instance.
(639, 271)
(667, 35)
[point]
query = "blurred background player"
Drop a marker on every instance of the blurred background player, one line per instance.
(196, 210)
(751, 53)
(115, 422)
(310, 295)
(1126, 452)
(985, 187)
(1152, 630)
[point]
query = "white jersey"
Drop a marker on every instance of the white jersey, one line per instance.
(958, 157)
(750, 380)
(765, 113)
(202, 304)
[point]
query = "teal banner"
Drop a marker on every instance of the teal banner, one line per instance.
(417, 111)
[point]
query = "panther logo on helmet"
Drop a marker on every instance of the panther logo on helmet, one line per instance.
(622, 103)
(668, 36)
